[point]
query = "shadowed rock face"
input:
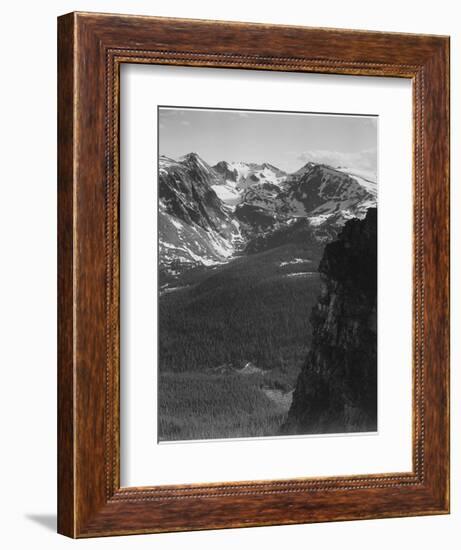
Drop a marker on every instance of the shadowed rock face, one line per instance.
(336, 390)
(226, 171)
(185, 191)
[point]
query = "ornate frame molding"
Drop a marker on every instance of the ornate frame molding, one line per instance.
(91, 49)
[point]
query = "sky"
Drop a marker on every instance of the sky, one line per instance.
(285, 140)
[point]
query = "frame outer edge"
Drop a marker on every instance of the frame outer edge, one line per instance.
(85, 507)
(66, 524)
(438, 208)
(447, 51)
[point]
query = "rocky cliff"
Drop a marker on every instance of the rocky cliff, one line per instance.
(336, 391)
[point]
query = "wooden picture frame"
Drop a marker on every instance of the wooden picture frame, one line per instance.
(91, 49)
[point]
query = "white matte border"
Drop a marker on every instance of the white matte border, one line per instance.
(143, 461)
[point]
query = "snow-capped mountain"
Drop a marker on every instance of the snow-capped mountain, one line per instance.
(207, 214)
(247, 173)
(320, 192)
(194, 225)
(316, 192)
(239, 176)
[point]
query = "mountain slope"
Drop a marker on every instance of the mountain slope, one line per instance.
(194, 225)
(319, 191)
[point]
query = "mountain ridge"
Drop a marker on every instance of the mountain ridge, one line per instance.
(207, 214)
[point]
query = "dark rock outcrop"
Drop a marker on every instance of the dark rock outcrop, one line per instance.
(226, 171)
(336, 391)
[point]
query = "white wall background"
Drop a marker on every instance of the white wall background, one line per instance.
(28, 271)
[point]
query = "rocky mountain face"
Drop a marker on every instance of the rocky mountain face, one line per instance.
(208, 214)
(185, 191)
(194, 225)
(336, 390)
(319, 191)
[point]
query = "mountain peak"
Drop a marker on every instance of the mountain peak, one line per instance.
(194, 161)
(306, 168)
(191, 156)
(271, 167)
(164, 158)
(223, 164)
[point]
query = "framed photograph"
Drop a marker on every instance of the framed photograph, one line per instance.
(253, 275)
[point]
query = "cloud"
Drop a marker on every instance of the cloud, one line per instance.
(365, 161)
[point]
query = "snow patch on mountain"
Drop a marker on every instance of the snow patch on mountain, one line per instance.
(295, 261)
(249, 173)
(182, 245)
(228, 193)
(302, 274)
(365, 178)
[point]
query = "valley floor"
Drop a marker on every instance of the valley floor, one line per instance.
(232, 340)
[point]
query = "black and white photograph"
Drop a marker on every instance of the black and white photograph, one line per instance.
(267, 273)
